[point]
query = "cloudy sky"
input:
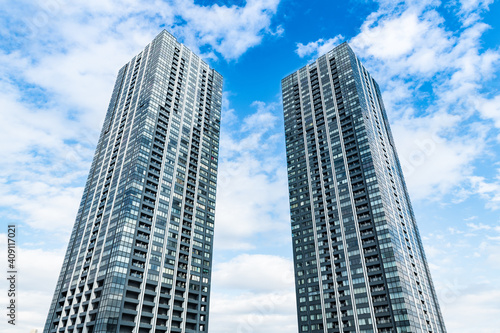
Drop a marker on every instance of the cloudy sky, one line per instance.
(436, 62)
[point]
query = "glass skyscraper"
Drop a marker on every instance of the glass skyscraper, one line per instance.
(359, 261)
(139, 257)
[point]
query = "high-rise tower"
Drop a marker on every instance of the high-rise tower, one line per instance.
(359, 261)
(139, 257)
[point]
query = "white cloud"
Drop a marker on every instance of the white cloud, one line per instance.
(410, 36)
(56, 85)
(256, 273)
(228, 114)
(249, 313)
(252, 196)
(470, 10)
(468, 6)
(54, 88)
(229, 30)
(37, 273)
(490, 109)
(432, 77)
(471, 304)
(45, 158)
(447, 248)
(490, 191)
(253, 293)
(319, 47)
(432, 163)
(479, 226)
(99, 36)
(465, 268)
(43, 206)
(263, 119)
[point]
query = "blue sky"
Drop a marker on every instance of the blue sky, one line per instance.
(437, 64)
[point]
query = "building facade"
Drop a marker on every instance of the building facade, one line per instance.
(359, 261)
(139, 257)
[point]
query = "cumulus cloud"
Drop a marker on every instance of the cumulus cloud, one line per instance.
(58, 76)
(435, 78)
(470, 10)
(434, 164)
(252, 292)
(319, 47)
(60, 61)
(432, 78)
(397, 36)
(45, 157)
(252, 195)
(229, 30)
(489, 109)
(59, 73)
